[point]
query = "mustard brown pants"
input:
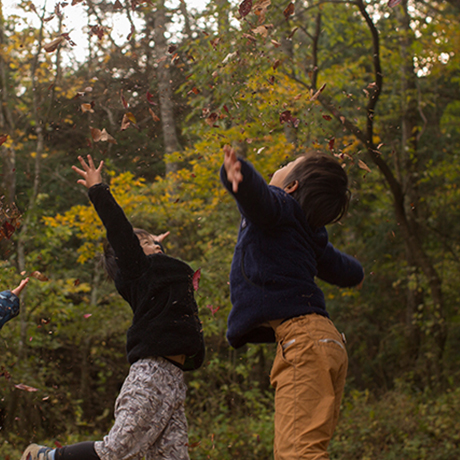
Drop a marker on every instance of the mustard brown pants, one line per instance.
(308, 375)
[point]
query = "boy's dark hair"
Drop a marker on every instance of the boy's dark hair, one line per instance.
(323, 188)
(110, 261)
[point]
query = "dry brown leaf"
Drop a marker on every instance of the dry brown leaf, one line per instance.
(87, 108)
(96, 134)
(106, 137)
(363, 165)
(154, 116)
(315, 96)
(53, 45)
(21, 386)
(39, 276)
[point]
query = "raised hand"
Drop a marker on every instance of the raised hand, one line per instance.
(91, 175)
(21, 286)
(232, 167)
(160, 237)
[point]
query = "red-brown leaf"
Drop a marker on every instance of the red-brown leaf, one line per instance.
(3, 138)
(196, 279)
(289, 11)
(21, 386)
(245, 8)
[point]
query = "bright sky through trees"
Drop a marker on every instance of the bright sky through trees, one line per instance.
(76, 21)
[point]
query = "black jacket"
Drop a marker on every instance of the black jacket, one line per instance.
(158, 288)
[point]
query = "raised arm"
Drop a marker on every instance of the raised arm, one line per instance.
(256, 201)
(129, 253)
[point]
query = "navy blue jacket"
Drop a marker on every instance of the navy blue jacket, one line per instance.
(158, 288)
(277, 257)
(9, 306)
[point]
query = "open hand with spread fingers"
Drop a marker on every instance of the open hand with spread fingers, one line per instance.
(91, 175)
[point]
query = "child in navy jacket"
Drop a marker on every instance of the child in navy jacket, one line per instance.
(282, 246)
(9, 303)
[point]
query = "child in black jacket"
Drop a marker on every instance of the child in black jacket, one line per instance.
(165, 339)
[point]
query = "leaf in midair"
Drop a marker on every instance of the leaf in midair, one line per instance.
(331, 143)
(21, 386)
(87, 108)
(97, 30)
(393, 3)
(261, 30)
(315, 96)
(39, 276)
(125, 123)
(150, 98)
(245, 8)
(211, 119)
(3, 138)
(260, 9)
(106, 137)
(117, 5)
(87, 315)
(6, 230)
(53, 45)
(123, 100)
(196, 279)
(213, 310)
(154, 115)
(327, 117)
(289, 11)
(363, 165)
(172, 49)
(49, 19)
(96, 134)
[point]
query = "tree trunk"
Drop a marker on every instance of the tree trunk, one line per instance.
(171, 141)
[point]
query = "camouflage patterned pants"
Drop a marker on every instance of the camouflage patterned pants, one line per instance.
(149, 415)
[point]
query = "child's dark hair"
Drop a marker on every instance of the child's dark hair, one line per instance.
(323, 188)
(110, 261)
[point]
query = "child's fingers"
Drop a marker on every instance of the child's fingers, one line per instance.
(79, 171)
(90, 162)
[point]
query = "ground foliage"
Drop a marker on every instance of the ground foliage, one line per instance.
(273, 79)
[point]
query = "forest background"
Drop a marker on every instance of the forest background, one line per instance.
(375, 84)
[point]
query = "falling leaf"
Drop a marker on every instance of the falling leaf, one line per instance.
(225, 108)
(211, 119)
(49, 19)
(154, 116)
(172, 48)
(331, 143)
(106, 137)
(245, 8)
(21, 386)
(87, 108)
(229, 57)
(195, 90)
(286, 117)
(117, 5)
(261, 30)
(87, 315)
(276, 64)
(76, 282)
(125, 123)
(150, 98)
(58, 444)
(277, 44)
(393, 3)
(6, 230)
(39, 276)
(315, 96)
(289, 11)
(363, 165)
(327, 117)
(196, 279)
(96, 134)
(260, 9)
(3, 138)
(213, 310)
(99, 31)
(194, 444)
(53, 45)
(123, 100)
